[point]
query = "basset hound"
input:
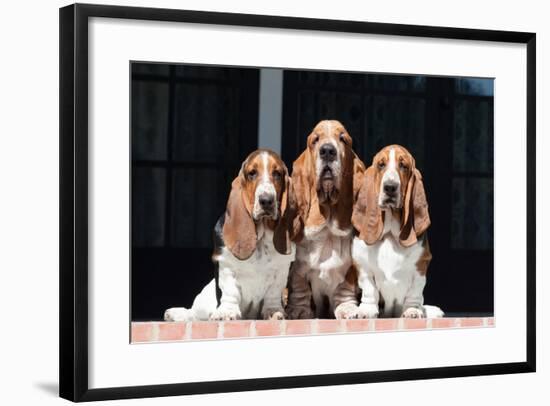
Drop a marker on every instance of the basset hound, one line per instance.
(252, 250)
(325, 181)
(391, 251)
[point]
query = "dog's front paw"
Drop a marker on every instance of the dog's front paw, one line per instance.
(413, 313)
(273, 314)
(433, 312)
(346, 311)
(178, 314)
(299, 312)
(368, 311)
(225, 313)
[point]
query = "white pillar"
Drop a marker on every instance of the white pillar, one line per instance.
(271, 109)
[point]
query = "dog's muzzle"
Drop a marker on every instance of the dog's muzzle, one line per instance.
(328, 172)
(390, 194)
(266, 206)
(328, 152)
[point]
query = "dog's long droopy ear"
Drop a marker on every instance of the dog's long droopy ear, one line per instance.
(239, 230)
(352, 177)
(416, 218)
(358, 176)
(298, 198)
(285, 194)
(281, 235)
(367, 216)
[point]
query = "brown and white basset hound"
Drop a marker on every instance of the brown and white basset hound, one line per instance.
(252, 250)
(325, 181)
(391, 252)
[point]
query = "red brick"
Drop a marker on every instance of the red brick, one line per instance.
(471, 322)
(298, 327)
(171, 331)
(490, 321)
(142, 332)
(234, 329)
(358, 325)
(266, 328)
(328, 326)
(444, 323)
(385, 324)
(414, 324)
(204, 330)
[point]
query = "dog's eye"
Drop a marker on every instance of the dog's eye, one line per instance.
(381, 165)
(276, 175)
(403, 166)
(315, 140)
(252, 174)
(343, 138)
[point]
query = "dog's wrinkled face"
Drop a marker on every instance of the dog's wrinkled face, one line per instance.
(329, 145)
(264, 176)
(394, 166)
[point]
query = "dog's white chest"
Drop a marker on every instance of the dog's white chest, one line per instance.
(393, 261)
(392, 265)
(327, 252)
(256, 274)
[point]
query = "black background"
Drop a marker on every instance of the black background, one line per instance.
(193, 125)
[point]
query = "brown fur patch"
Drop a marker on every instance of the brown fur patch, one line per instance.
(348, 291)
(425, 259)
(239, 230)
(367, 215)
(311, 209)
(416, 219)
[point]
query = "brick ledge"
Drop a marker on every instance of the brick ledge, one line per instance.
(157, 331)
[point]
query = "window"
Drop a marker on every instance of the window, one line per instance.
(191, 128)
(472, 195)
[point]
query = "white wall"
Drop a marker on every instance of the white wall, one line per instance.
(29, 203)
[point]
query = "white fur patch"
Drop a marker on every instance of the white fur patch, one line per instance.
(244, 285)
(391, 175)
(265, 186)
(325, 255)
(389, 270)
(203, 305)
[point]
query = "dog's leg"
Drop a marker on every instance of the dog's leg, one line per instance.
(414, 298)
(273, 299)
(370, 296)
(203, 305)
(229, 308)
(299, 292)
(345, 296)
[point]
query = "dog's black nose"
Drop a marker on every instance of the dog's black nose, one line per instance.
(327, 152)
(390, 188)
(266, 201)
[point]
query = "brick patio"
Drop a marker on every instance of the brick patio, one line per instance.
(157, 331)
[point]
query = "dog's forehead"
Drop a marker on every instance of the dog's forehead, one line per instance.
(254, 160)
(262, 160)
(273, 161)
(383, 154)
(329, 128)
(401, 152)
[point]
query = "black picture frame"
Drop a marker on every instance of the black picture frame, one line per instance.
(73, 280)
